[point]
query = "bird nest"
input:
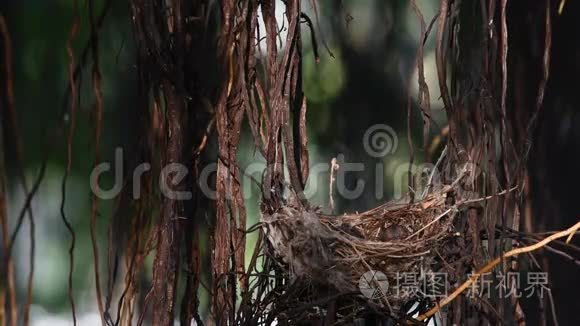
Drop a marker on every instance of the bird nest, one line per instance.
(354, 252)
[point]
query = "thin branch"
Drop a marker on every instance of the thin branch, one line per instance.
(98, 125)
(72, 121)
(7, 263)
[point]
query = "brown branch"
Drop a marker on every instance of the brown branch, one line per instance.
(545, 71)
(423, 97)
(7, 274)
(313, 42)
(85, 53)
(221, 309)
(7, 271)
(166, 263)
(315, 8)
(9, 265)
(19, 161)
(97, 89)
(72, 121)
(440, 55)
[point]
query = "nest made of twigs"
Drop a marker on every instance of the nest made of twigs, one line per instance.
(394, 238)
